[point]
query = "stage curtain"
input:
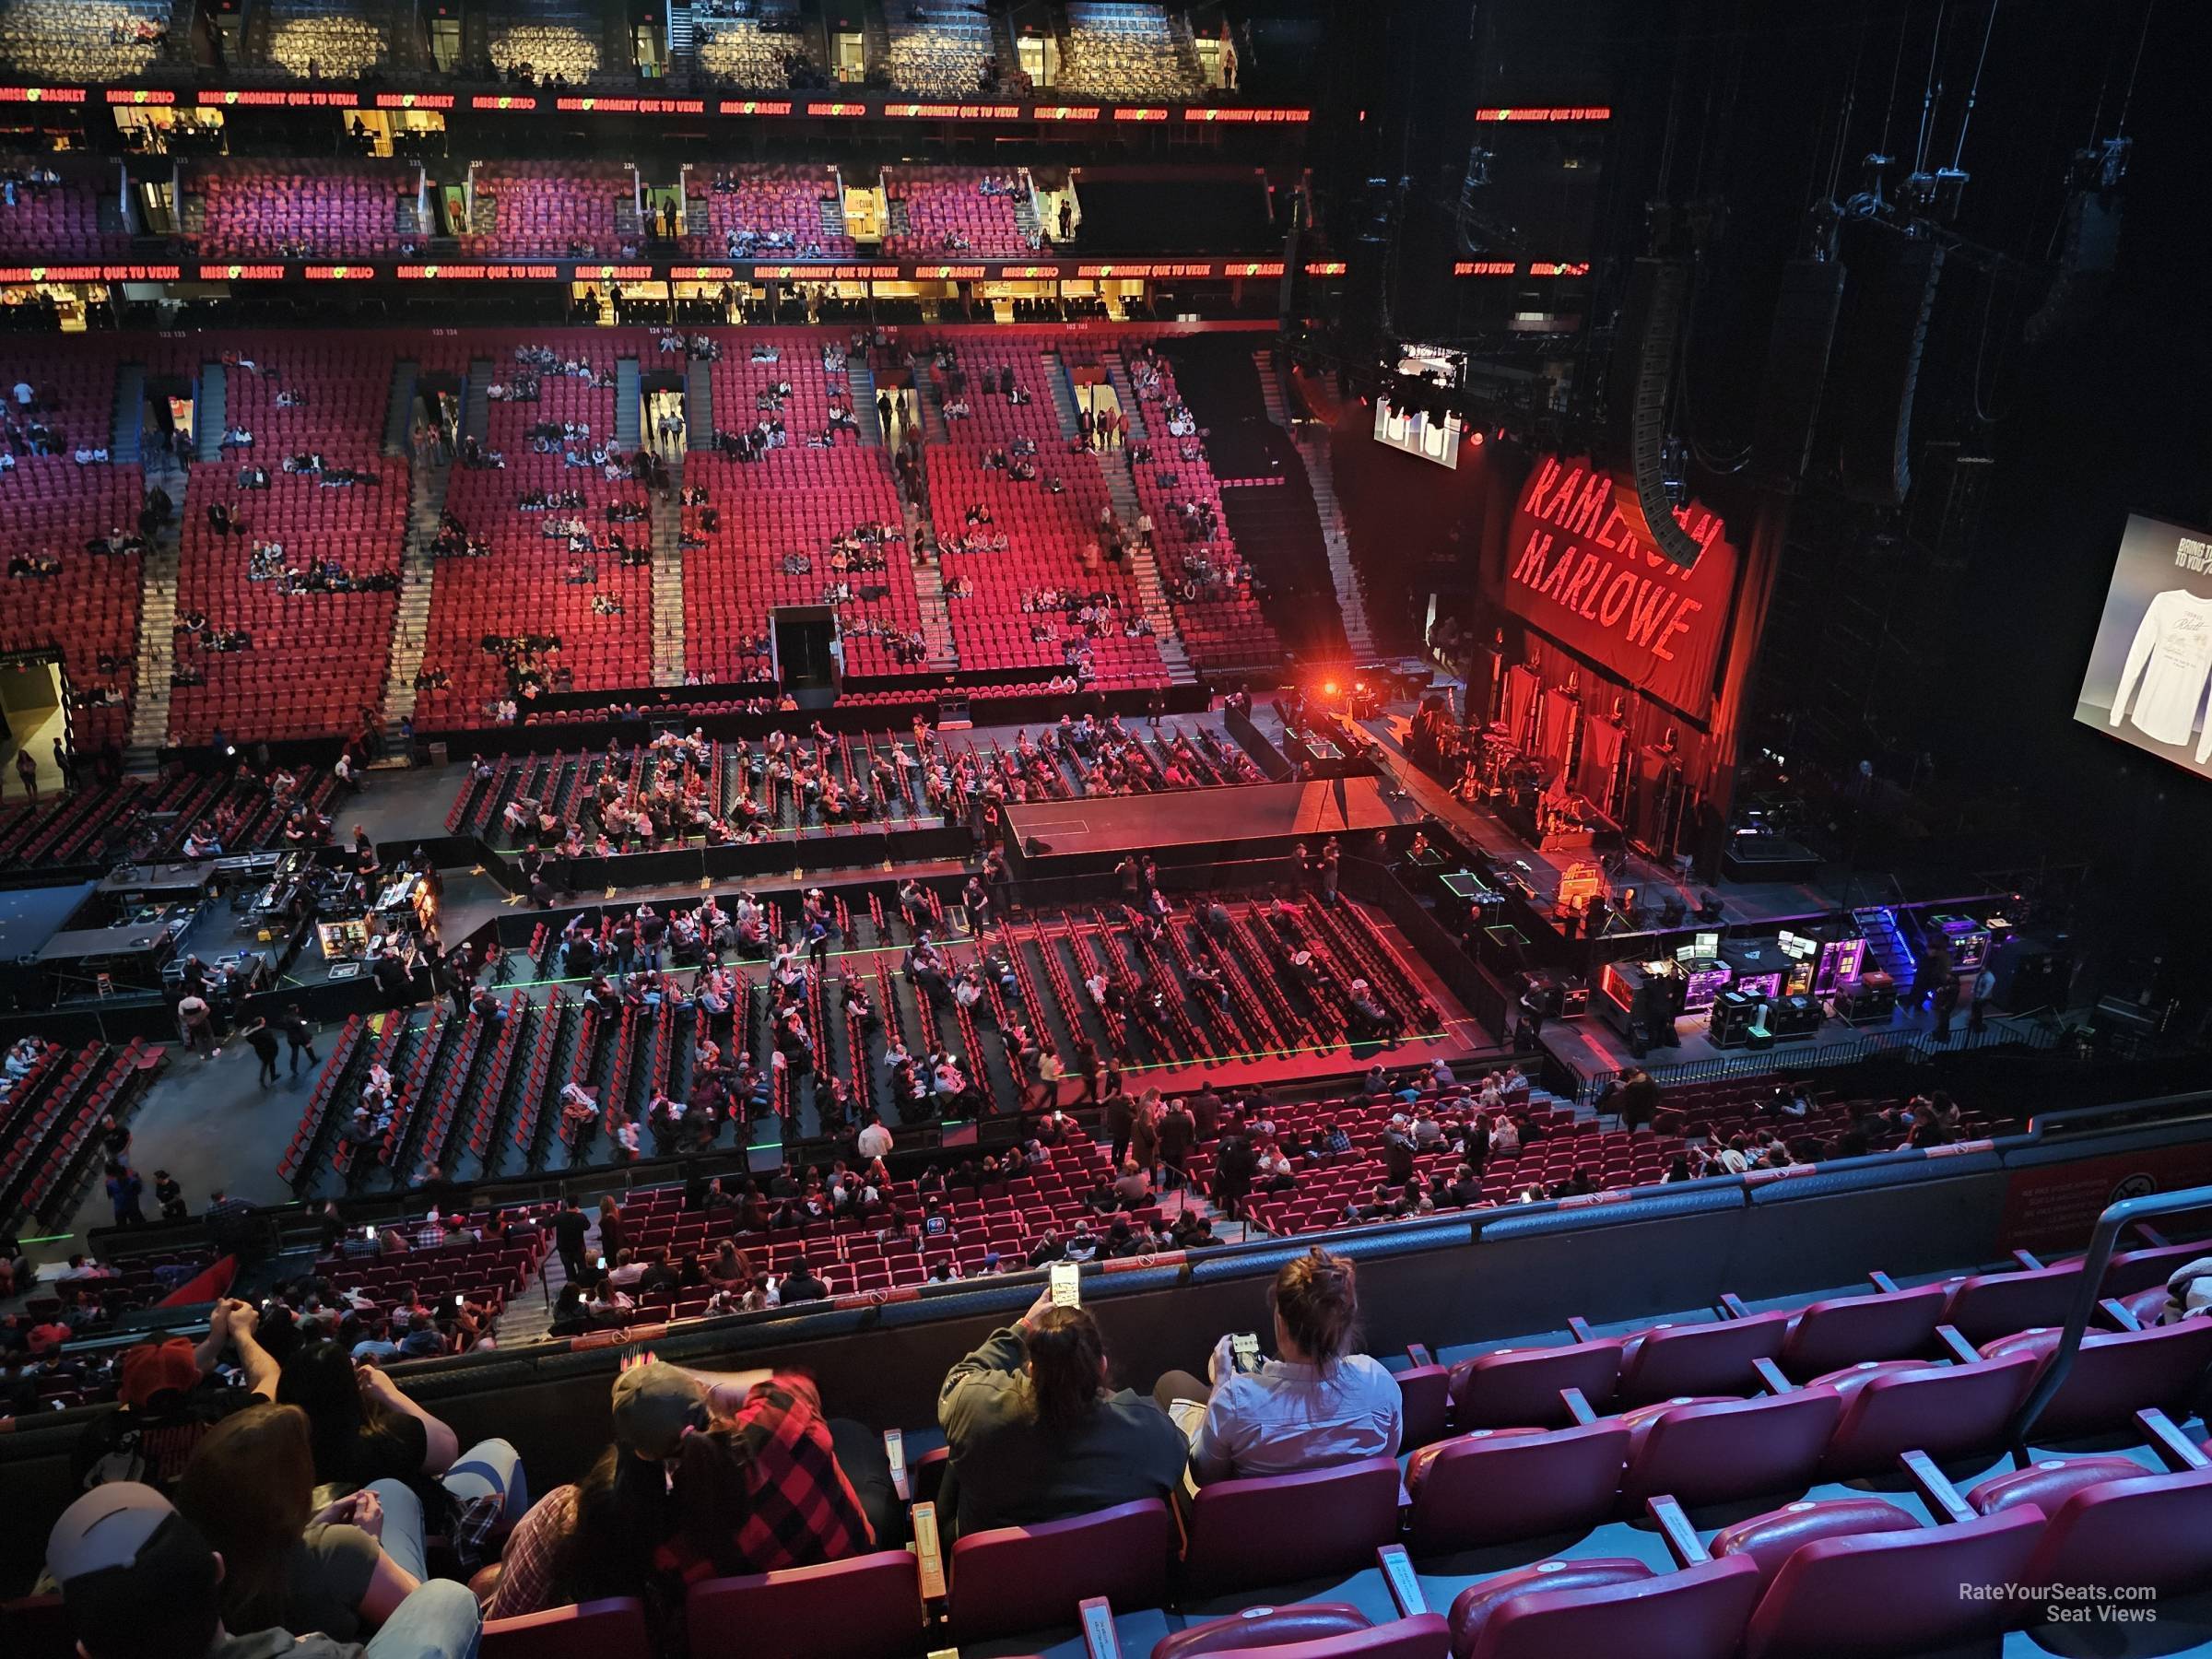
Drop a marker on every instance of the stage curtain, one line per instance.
(1602, 740)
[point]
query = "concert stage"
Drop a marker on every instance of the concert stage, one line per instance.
(1593, 1051)
(1064, 838)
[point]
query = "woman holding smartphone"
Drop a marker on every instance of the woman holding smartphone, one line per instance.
(1316, 1405)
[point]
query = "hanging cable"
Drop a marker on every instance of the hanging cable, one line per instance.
(1973, 88)
(1897, 69)
(2142, 40)
(1927, 90)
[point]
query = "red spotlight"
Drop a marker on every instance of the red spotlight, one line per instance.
(1328, 689)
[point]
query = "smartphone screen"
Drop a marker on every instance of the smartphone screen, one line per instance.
(603, 1264)
(368, 1233)
(456, 1299)
(1244, 1349)
(1067, 1285)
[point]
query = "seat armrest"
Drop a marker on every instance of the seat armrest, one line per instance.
(2113, 1309)
(1731, 1306)
(1099, 1638)
(1675, 1528)
(2151, 1235)
(1882, 1282)
(929, 1553)
(2175, 1450)
(1770, 1375)
(1418, 1353)
(1580, 1327)
(1404, 1584)
(2030, 1263)
(1957, 1345)
(1578, 1406)
(1934, 1487)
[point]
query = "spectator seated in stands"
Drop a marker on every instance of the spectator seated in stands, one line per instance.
(367, 1430)
(709, 1475)
(347, 1566)
(138, 1579)
(170, 1394)
(1036, 1435)
(1315, 1404)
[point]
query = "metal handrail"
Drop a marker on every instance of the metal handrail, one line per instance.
(2109, 1225)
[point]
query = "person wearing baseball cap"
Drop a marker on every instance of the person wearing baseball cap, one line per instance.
(138, 1581)
(170, 1394)
(708, 1474)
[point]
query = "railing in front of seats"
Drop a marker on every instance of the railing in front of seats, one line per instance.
(2115, 1220)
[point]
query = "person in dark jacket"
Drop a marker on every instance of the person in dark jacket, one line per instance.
(1035, 1433)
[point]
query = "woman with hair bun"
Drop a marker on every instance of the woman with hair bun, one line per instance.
(1317, 1403)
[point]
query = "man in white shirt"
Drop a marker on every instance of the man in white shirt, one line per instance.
(875, 1140)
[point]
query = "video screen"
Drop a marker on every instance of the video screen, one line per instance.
(2152, 659)
(1417, 435)
(1403, 427)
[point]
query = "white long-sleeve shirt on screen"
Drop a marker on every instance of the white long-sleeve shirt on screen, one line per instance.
(2172, 652)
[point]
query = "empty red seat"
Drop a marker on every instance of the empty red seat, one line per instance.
(1515, 1387)
(1895, 1592)
(1715, 1358)
(1608, 1606)
(1845, 1329)
(1894, 1407)
(1015, 1578)
(1278, 1528)
(1723, 1450)
(601, 1629)
(1488, 1486)
(2115, 1375)
(859, 1608)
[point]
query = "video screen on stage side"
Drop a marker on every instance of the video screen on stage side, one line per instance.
(2149, 668)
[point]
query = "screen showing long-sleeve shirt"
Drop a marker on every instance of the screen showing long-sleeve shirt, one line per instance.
(2172, 655)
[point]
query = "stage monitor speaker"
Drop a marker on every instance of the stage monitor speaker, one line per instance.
(1789, 396)
(1887, 301)
(1642, 372)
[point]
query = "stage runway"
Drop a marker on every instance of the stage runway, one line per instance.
(1213, 818)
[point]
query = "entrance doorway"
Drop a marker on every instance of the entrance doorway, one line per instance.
(35, 707)
(809, 656)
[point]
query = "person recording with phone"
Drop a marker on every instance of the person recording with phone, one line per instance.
(1037, 1434)
(1315, 1404)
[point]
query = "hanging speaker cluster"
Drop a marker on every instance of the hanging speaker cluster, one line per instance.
(1887, 303)
(1642, 374)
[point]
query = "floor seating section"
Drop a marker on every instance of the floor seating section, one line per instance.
(766, 210)
(790, 504)
(43, 220)
(520, 589)
(1048, 535)
(315, 659)
(547, 207)
(944, 211)
(938, 52)
(546, 42)
(333, 40)
(630, 1054)
(84, 40)
(336, 210)
(1219, 616)
(1116, 50)
(757, 50)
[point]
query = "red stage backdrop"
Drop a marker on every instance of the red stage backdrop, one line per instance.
(1574, 571)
